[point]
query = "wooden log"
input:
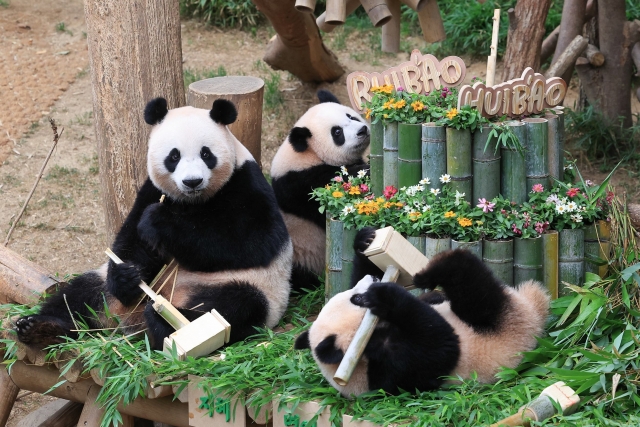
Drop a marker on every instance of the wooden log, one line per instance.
(336, 12)
(390, 154)
(434, 153)
(92, 411)
(321, 20)
(593, 54)
(568, 58)
(129, 67)
(376, 158)
(246, 93)
(431, 22)
(76, 372)
(536, 157)
(391, 30)
(409, 154)
(96, 377)
(635, 56)
(298, 47)
(573, 18)
(59, 413)
(634, 214)
(549, 45)
(378, 11)
(41, 378)
(306, 6)
(416, 5)
(155, 391)
(22, 281)
(8, 393)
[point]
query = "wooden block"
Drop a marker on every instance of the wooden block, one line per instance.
(227, 411)
(59, 413)
(95, 376)
(201, 337)
(181, 395)
(157, 391)
(8, 393)
(348, 421)
(262, 417)
(390, 248)
(301, 416)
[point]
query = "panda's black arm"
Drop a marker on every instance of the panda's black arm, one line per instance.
(362, 266)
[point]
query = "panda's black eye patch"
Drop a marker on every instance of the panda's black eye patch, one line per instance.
(208, 157)
(338, 135)
(353, 118)
(172, 160)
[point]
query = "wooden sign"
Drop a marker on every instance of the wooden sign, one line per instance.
(421, 74)
(301, 416)
(226, 411)
(529, 94)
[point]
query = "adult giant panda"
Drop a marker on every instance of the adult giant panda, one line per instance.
(329, 135)
(475, 325)
(220, 221)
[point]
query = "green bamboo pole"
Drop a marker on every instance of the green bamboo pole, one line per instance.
(375, 158)
(348, 236)
(390, 155)
(536, 156)
(513, 183)
(527, 259)
(498, 256)
(486, 167)
(474, 247)
(433, 246)
(418, 242)
(597, 245)
(555, 146)
(571, 259)
(459, 161)
(550, 256)
(434, 153)
(333, 252)
(409, 154)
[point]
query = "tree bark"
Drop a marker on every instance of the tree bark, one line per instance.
(526, 30)
(573, 16)
(635, 55)
(135, 55)
(593, 54)
(297, 47)
(568, 58)
(22, 281)
(549, 44)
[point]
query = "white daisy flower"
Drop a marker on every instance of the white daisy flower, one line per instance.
(425, 181)
(568, 167)
(416, 203)
(459, 196)
(403, 188)
(572, 206)
(348, 209)
(435, 191)
(426, 208)
(362, 173)
(446, 178)
(576, 218)
(553, 199)
(343, 170)
(560, 208)
(419, 188)
(583, 209)
(408, 208)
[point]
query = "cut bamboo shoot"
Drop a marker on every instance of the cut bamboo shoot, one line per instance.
(378, 11)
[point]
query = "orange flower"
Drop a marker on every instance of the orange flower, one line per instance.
(375, 89)
(449, 214)
(389, 104)
(452, 113)
(337, 194)
(387, 205)
(328, 187)
(386, 88)
(380, 200)
(400, 104)
(417, 106)
(413, 216)
(367, 113)
(355, 190)
(399, 204)
(464, 222)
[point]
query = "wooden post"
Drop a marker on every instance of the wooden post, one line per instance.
(135, 55)
(8, 393)
(246, 93)
(391, 30)
(378, 11)
(22, 281)
(573, 18)
(430, 19)
(491, 62)
(593, 54)
(306, 6)
(336, 12)
(321, 20)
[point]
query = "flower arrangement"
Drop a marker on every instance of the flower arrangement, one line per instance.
(466, 117)
(339, 197)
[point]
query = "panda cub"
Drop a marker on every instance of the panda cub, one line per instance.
(329, 135)
(219, 220)
(476, 324)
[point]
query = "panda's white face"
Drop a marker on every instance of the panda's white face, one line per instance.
(190, 156)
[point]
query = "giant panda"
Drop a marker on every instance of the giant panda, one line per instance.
(476, 324)
(219, 220)
(329, 135)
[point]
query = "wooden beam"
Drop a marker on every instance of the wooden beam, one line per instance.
(635, 56)
(593, 54)
(378, 11)
(568, 57)
(431, 22)
(321, 21)
(59, 413)
(22, 281)
(8, 393)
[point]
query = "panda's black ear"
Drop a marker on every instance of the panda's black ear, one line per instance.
(155, 111)
(223, 112)
(302, 341)
(298, 138)
(327, 352)
(326, 96)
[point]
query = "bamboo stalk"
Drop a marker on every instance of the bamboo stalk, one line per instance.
(474, 247)
(550, 256)
(409, 154)
(390, 154)
(321, 22)
(491, 62)
(597, 245)
(333, 271)
(536, 156)
(434, 153)
(513, 183)
(418, 242)
(361, 337)
(433, 246)
(527, 260)
(376, 158)
(571, 259)
(555, 146)
(306, 6)
(498, 256)
(459, 164)
(378, 11)
(348, 236)
(486, 165)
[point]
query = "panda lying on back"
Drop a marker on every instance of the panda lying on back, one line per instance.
(476, 325)
(220, 221)
(326, 137)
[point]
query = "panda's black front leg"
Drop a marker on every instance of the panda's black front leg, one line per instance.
(362, 266)
(154, 225)
(391, 302)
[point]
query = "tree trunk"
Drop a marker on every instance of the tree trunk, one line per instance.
(526, 30)
(549, 44)
(297, 47)
(573, 15)
(135, 55)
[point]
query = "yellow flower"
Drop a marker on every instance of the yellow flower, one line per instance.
(465, 222)
(417, 106)
(328, 187)
(399, 204)
(387, 205)
(380, 200)
(386, 88)
(367, 113)
(386, 116)
(449, 214)
(354, 190)
(400, 104)
(452, 113)
(375, 89)
(389, 104)
(337, 194)
(413, 216)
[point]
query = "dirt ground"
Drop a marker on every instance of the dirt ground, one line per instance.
(44, 73)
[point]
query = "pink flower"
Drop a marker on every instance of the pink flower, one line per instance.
(389, 191)
(369, 197)
(364, 188)
(539, 227)
(503, 212)
(485, 205)
(337, 179)
(346, 186)
(516, 230)
(573, 192)
(537, 188)
(609, 196)
(399, 89)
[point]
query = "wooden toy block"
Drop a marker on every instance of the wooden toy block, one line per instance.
(348, 421)
(201, 337)
(226, 411)
(301, 416)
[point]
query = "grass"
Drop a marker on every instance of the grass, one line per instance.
(84, 119)
(61, 27)
(273, 98)
(4, 3)
(59, 173)
(223, 13)
(191, 75)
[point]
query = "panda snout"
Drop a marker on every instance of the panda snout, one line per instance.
(364, 131)
(192, 183)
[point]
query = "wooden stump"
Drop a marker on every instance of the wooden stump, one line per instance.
(22, 281)
(8, 393)
(246, 93)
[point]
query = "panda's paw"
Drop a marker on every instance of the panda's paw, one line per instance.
(379, 298)
(363, 239)
(123, 280)
(150, 224)
(37, 329)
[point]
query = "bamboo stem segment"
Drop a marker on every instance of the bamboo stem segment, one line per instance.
(459, 164)
(306, 6)
(434, 153)
(513, 183)
(498, 256)
(8, 394)
(486, 166)
(376, 158)
(527, 260)
(336, 12)
(555, 146)
(378, 11)
(348, 237)
(433, 246)
(409, 154)
(550, 256)
(361, 337)
(571, 258)
(391, 30)
(474, 247)
(597, 245)
(390, 154)
(536, 161)
(333, 271)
